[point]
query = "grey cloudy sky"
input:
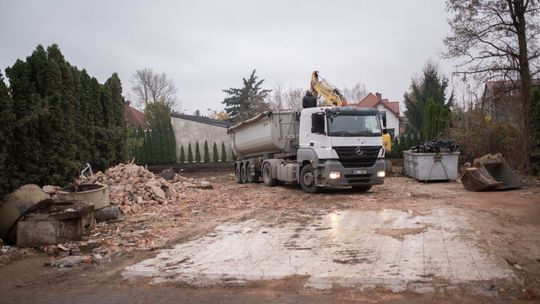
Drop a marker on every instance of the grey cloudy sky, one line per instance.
(207, 46)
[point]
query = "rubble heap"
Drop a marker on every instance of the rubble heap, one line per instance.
(133, 187)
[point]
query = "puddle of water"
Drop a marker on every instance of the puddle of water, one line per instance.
(361, 249)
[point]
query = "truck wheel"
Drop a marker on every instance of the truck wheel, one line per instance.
(252, 177)
(237, 174)
(361, 188)
(307, 179)
(243, 174)
(268, 180)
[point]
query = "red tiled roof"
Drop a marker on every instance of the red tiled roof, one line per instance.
(133, 116)
(372, 101)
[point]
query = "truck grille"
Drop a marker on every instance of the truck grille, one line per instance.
(349, 157)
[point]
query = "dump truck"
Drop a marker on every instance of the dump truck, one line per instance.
(322, 147)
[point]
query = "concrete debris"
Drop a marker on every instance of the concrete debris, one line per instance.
(25, 199)
(69, 261)
(63, 222)
(94, 193)
(7, 249)
(50, 189)
(133, 188)
(108, 213)
(206, 185)
(167, 174)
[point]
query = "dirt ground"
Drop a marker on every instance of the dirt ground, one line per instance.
(504, 224)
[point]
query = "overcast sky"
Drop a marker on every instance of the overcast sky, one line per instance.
(208, 46)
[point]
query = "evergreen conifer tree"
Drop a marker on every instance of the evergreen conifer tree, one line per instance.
(206, 155)
(6, 137)
(172, 145)
(431, 85)
(64, 119)
(215, 156)
(182, 155)
(27, 108)
(223, 153)
(190, 154)
(197, 153)
(248, 101)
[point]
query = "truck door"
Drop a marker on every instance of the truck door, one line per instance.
(313, 131)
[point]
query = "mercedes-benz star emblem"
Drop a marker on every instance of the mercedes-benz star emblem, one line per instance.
(358, 151)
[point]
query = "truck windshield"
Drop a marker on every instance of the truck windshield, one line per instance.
(354, 125)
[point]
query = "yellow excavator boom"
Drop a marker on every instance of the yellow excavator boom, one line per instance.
(320, 87)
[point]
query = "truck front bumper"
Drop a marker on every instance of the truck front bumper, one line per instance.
(361, 176)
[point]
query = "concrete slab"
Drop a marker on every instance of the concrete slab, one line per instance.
(362, 249)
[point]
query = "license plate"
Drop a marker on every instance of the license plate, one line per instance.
(359, 172)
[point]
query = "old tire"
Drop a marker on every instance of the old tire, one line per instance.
(307, 179)
(268, 180)
(361, 189)
(237, 174)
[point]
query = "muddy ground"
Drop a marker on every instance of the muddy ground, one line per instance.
(502, 225)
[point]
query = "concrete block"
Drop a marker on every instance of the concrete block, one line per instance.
(111, 212)
(64, 222)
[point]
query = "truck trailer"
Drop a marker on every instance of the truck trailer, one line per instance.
(321, 147)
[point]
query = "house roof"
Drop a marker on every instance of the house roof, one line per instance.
(372, 101)
(202, 119)
(495, 90)
(499, 85)
(133, 116)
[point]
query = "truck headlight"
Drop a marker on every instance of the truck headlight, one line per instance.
(381, 174)
(335, 175)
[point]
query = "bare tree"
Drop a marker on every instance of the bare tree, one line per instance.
(355, 93)
(293, 99)
(281, 99)
(275, 98)
(152, 87)
(498, 39)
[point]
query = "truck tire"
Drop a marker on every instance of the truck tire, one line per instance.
(268, 180)
(252, 177)
(307, 179)
(361, 189)
(243, 174)
(237, 174)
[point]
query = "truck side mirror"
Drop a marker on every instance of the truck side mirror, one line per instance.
(317, 123)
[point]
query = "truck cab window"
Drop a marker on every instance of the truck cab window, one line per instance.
(317, 123)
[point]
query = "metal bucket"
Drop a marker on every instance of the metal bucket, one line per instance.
(490, 172)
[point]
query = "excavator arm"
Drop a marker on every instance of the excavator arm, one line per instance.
(320, 87)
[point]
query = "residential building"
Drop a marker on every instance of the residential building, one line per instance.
(502, 100)
(133, 116)
(389, 108)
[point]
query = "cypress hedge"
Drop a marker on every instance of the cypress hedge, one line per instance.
(56, 118)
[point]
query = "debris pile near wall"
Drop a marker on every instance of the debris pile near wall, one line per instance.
(133, 188)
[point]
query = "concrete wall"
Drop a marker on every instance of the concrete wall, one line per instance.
(187, 131)
(392, 121)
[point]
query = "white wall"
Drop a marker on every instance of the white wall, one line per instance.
(187, 131)
(392, 121)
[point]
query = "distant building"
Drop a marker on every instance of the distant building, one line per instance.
(390, 108)
(502, 100)
(133, 116)
(190, 129)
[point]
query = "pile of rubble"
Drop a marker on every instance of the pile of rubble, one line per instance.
(133, 187)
